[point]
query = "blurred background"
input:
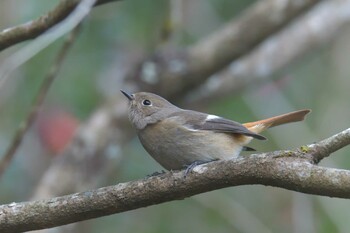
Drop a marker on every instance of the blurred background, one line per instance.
(288, 71)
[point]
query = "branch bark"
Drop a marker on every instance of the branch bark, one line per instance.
(292, 170)
(32, 29)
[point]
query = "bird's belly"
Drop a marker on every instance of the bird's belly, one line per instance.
(175, 148)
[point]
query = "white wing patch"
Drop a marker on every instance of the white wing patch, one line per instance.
(211, 117)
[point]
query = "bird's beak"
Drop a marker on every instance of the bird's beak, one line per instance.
(127, 95)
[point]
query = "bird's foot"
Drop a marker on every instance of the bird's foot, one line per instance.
(190, 167)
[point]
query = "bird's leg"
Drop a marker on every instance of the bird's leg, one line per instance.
(190, 167)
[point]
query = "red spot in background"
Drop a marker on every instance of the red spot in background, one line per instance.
(56, 129)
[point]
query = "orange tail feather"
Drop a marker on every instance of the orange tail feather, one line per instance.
(259, 126)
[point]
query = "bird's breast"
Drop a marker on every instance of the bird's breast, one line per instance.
(174, 146)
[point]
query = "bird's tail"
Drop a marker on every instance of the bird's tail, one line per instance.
(259, 126)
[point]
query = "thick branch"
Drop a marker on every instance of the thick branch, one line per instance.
(284, 169)
(32, 29)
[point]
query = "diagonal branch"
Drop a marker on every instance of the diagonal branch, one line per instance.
(277, 52)
(37, 103)
(186, 70)
(324, 148)
(291, 170)
(32, 29)
(21, 56)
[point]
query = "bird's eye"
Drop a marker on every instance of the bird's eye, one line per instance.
(146, 103)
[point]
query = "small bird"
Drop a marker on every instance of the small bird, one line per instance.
(177, 138)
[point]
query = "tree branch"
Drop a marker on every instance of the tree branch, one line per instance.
(326, 147)
(309, 32)
(110, 129)
(32, 29)
(186, 70)
(292, 170)
(38, 101)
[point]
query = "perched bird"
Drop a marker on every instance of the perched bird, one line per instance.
(177, 138)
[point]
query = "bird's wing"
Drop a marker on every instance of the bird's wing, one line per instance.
(200, 121)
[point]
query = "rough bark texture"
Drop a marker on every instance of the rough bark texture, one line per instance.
(293, 170)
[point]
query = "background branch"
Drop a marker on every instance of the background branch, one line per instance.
(188, 69)
(330, 145)
(285, 169)
(38, 101)
(277, 52)
(33, 29)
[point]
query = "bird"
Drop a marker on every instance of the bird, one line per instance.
(178, 138)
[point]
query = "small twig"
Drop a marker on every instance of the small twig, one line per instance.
(18, 58)
(38, 101)
(329, 145)
(34, 28)
(290, 170)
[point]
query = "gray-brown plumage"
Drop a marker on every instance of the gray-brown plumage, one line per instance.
(176, 138)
